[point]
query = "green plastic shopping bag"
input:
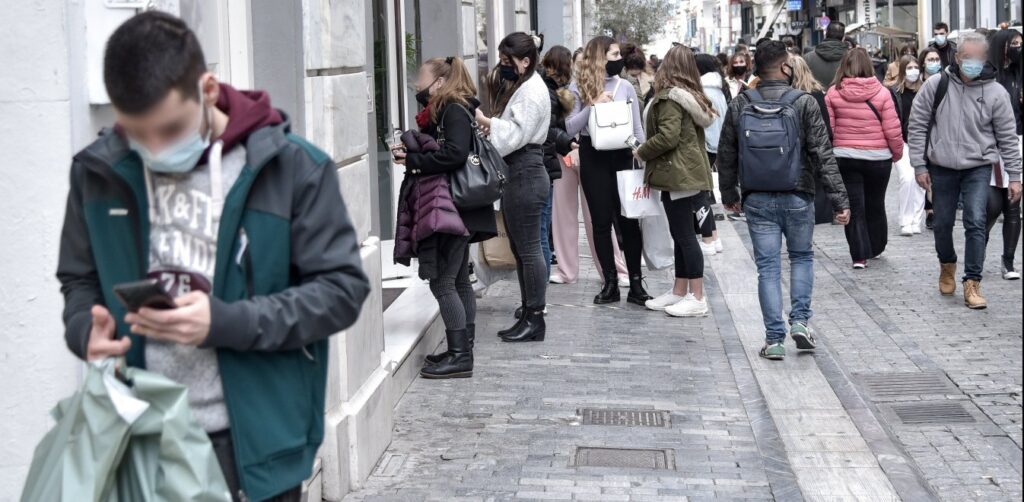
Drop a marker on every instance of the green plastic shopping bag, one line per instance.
(125, 438)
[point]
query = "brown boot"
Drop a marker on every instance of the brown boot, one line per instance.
(947, 279)
(972, 295)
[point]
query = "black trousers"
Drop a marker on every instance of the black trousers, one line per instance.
(689, 258)
(601, 188)
(522, 206)
(999, 204)
(866, 182)
(451, 288)
(223, 447)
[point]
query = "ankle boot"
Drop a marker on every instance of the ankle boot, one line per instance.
(519, 320)
(436, 358)
(637, 295)
(610, 292)
(458, 361)
(972, 295)
(947, 279)
(531, 329)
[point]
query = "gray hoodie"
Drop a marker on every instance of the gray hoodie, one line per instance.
(974, 125)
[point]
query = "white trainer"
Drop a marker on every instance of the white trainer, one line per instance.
(708, 249)
(718, 246)
(690, 306)
(623, 281)
(907, 231)
(662, 302)
(556, 279)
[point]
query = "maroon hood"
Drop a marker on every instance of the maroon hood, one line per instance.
(247, 111)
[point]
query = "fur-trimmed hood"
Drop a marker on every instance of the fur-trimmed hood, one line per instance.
(686, 99)
(567, 100)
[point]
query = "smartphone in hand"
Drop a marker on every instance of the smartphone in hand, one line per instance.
(633, 143)
(144, 293)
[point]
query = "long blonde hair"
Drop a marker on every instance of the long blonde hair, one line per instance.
(590, 69)
(803, 79)
(679, 69)
(458, 87)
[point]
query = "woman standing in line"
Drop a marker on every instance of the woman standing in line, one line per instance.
(1005, 55)
(911, 196)
(518, 132)
(638, 72)
(739, 70)
(713, 83)
(447, 95)
(568, 196)
(677, 164)
(597, 81)
(555, 70)
(867, 141)
(803, 80)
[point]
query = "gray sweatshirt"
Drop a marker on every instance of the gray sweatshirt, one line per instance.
(579, 117)
(974, 126)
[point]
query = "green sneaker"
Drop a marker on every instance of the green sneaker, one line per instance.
(802, 335)
(773, 351)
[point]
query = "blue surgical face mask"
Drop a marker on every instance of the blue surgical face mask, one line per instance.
(932, 68)
(180, 156)
(971, 68)
(940, 39)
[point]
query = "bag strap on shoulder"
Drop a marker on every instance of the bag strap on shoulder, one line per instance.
(874, 110)
(790, 96)
(940, 94)
(752, 95)
(615, 90)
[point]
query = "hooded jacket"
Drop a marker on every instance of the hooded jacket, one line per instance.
(824, 61)
(818, 160)
(856, 130)
(288, 275)
(973, 125)
(559, 142)
(947, 53)
(674, 150)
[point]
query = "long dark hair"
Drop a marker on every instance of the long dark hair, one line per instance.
(706, 63)
(517, 45)
(557, 65)
(1005, 73)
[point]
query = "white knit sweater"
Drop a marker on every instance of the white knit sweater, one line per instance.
(525, 119)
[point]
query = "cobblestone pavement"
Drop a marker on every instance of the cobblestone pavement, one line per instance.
(510, 432)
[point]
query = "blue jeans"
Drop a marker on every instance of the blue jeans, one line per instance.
(545, 232)
(948, 187)
(770, 216)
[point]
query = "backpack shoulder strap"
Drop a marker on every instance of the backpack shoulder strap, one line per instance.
(752, 95)
(790, 96)
(940, 94)
(615, 90)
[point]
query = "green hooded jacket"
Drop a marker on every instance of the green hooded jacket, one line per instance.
(674, 150)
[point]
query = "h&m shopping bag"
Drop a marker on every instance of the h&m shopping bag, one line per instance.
(659, 248)
(636, 197)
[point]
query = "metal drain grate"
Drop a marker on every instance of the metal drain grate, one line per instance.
(625, 458)
(932, 413)
(885, 386)
(624, 417)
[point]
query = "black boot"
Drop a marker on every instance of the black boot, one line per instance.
(458, 361)
(637, 295)
(531, 329)
(436, 358)
(610, 292)
(519, 320)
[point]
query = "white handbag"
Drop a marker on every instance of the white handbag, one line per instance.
(611, 123)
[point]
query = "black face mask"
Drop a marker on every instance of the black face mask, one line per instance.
(1013, 55)
(614, 68)
(508, 72)
(739, 70)
(423, 97)
(789, 77)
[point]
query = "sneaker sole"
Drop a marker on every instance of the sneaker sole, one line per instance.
(802, 342)
(699, 314)
(976, 307)
(771, 357)
(464, 374)
(657, 309)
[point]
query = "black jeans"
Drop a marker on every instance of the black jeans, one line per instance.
(999, 204)
(689, 258)
(601, 188)
(223, 447)
(522, 205)
(866, 182)
(452, 289)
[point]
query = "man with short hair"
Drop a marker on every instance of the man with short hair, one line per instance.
(961, 125)
(940, 42)
(202, 188)
(824, 61)
(772, 215)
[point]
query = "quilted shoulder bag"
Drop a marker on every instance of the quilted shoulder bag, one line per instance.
(481, 182)
(611, 123)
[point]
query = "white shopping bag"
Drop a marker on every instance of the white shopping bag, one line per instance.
(659, 248)
(637, 198)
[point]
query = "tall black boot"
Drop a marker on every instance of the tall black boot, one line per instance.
(637, 295)
(436, 358)
(458, 361)
(519, 320)
(531, 329)
(610, 292)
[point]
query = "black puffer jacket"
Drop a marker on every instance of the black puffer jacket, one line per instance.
(818, 158)
(559, 142)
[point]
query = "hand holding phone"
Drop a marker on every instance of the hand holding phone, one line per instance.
(144, 293)
(633, 143)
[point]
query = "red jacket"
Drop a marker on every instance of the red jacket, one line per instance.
(855, 125)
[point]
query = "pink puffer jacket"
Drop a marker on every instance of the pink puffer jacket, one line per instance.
(855, 126)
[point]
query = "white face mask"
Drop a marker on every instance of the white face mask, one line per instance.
(180, 156)
(913, 74)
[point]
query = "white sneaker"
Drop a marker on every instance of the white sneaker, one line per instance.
(708, 249)
(1010, 275)
(623, 281)
(556, 279)
(690, 306)
(907, 231)
(718, 245)
(663, 301)
(916, 228)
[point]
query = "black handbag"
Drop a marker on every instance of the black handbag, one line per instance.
(483, 178)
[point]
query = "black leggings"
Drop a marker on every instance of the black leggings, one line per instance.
(999, 204)
(866, 182)
(601, 188)
(704, 215)
(689, 258)
(451, 288)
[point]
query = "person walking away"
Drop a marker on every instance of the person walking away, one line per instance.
(941, 43)
(738, 72)
(824, 61)
(911, 196)
(518, 132)
(867, 139)
(260, 199)
(556, 71)
(776, 203)
(446, 92)
(892, 71)
(566, 200)
(803, 80)
(597, 81)
(932, 64)
(677, 164)
(960, 126)
(714, 87)
(1005, 55)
